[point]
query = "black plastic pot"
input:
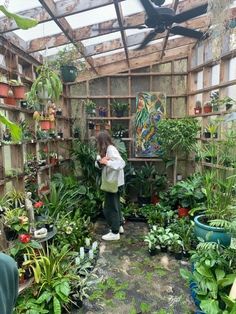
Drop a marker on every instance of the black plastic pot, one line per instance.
(76, 135)
(59, 113)
(152, 252)
(10, 234)
(23, 104)
(163, 249)
(91, 125)
(207, 134)
(69, 73)
(144, 200)
(119, 113)
(60, 134)
(178, 255)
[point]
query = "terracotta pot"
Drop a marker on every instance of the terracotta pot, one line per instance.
(11, 101)
(45, 124)
(207, 108)
(19, 91)
(4, 88)
(197, 110)
(155, 200)
(52, 124)
(183, 212)
(53, 161)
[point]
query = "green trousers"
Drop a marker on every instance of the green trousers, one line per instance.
(8, 283)
(112, 211)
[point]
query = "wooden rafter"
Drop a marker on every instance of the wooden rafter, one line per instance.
(119, 66)
(63, 8)
(100, 28)
(123, 35)
(172, 44)
(49, 5)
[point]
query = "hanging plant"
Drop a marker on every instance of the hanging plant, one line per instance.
(46, 86)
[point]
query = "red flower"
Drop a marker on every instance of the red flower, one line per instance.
(38, 204)
(24, 238)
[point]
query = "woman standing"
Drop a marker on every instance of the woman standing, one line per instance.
(113, 166)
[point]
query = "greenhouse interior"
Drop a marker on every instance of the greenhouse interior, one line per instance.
(118, 157)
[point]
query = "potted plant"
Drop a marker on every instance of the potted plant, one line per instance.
(198, 107)
(60, 134)
(143, 180)
(218, 206)
(76, 133)
(211, 130)
(151, 241)
(24, 104)
(53, 158)
(176, 246)
(207, 108)
(228, 102)
(4, 86)
(18, 89)
(46, 86)
(59, 111)
(177, 136)
(7, 135)
(119, 108)
(90, 108)
(68, 63)
(215, 101)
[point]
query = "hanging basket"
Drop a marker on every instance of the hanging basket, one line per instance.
(45, 124)
(19, 91)
(68, 73)
(4, 88)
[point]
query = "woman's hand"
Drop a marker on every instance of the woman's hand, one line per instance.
(104, 160)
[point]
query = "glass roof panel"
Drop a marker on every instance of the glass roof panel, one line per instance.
(40, 30)
(92, 16)
(108, 53)
(19, 5)
(101, 39)
(135, 6)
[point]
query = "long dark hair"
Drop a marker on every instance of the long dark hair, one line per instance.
(103, 141)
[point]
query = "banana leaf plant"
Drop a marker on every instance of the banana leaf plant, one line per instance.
(15, 129)
(21, 21)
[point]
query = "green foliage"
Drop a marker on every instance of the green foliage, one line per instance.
(177, 134)
(21, 21)
(15, 129)
(85, 154)
(47, 82)
(119, 106)
(68, 56)
(61, 199)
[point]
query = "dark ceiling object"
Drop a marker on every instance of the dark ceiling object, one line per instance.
(158, 2)
(162, 18)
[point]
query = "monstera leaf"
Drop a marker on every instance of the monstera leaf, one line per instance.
(14, 128)
(21, 21)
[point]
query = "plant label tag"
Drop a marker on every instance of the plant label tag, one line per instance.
(233, 243)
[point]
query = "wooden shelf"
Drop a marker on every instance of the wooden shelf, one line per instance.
(119, 97)
(213, 87)
(216, 113)
(206, 164)
(109, 118)
(145, 159)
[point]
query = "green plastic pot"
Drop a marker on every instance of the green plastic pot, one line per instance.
(210, 234)
(69, 73)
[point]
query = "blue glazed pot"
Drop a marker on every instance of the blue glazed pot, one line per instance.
(211, 234)
(192, 287)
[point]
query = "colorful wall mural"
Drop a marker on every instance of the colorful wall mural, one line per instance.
(150, 108)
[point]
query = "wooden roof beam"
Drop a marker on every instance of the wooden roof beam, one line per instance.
(123, 35)
(119, 66)
(63, 8)
(66, 29)
(90, 32)
(151, 49)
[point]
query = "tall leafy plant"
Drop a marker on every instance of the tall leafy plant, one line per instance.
(176, 136)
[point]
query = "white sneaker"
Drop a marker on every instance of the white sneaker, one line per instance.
(121, 230)
(111, 236)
